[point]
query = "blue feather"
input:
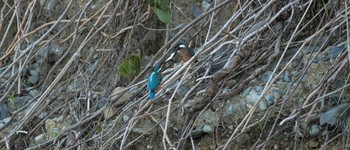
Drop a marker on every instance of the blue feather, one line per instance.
(151, 94)
(154, 81)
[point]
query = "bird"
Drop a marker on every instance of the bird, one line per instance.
(183, 51)
(154, 80)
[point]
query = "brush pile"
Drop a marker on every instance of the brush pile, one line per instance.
(73, 74)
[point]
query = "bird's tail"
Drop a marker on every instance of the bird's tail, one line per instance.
(152, 94)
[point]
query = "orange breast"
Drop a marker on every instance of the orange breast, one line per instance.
(184, 54)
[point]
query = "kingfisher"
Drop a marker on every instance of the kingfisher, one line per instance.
(154, 80)
(183, 51)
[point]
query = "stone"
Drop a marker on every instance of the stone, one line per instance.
(43, 115)
(34, 76)
(6, 120)
(2, 125)
(125, 97)
(207, 129)
(101, 102)
(40, 138)
(313, 144)
(314, 130)
(20, 101)
(252, 98)
(205, 5)
(108, 112)
(229, 110)
(49, 124)
(196, 11)
(126, 118)
(197, 133)
(226, 90)
(93, 67)
(333, 115)
(55, 51)
(34, 93)
(335, 51)
(270, 99)
(3, 111)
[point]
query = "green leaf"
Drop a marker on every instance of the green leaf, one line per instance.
(153, 3)
(161, 9)
(163, 15)
(135, 62)
(260, 125)
(123, 71)
(164, 4)
(12, 100)
(129, 66)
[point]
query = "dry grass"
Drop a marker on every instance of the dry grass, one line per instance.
(261, 32)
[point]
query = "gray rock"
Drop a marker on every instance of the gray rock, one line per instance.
(40, 138)
(34, 93)
(277, 92)
(3, 111)
(262, 106)
(229, 110)
(93, 67)
(20, 101)
(43, 115)
(205, 5)
(108, 112)
(196, 11)
(33, 79)
(259, 88)
(125, 97)
(197, 133)
(7, 75)
(33, 72)
(226, 90)
(207, 129)
(270, 99)
(126, 118)
(310, 49)
(34, 76)
(314, 130)
(6, 120)
(2, 125)
(55, 51)
(253, 97)
(286, 77)
(182, 91)
(102, 102)
(58, 119)
(319, 40)
(246, 92)
(42, 55)
(335, 114)
(335, 51)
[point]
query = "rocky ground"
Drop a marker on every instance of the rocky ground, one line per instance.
(266, 75)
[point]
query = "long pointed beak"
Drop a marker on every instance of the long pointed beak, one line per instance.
(170, 57)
